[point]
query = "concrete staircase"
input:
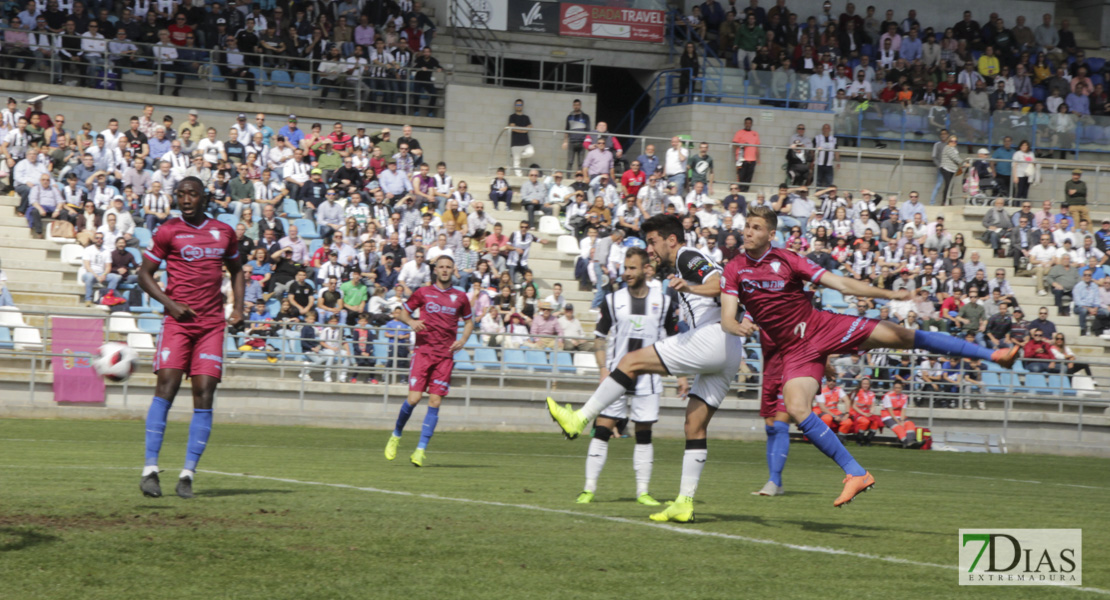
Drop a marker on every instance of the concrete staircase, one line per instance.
(1084, 37)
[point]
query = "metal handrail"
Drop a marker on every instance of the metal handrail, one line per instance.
(634, 144)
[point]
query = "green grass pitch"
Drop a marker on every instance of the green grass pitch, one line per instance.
(492, 515)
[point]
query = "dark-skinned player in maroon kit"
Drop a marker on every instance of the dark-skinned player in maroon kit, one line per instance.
(195, 249)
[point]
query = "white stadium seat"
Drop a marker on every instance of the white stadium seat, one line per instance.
(141, 342)
(585, 363)
(72, 253)
(568, 245)
(26, 338)
(123, 322)
(11, 317)
(551, 226)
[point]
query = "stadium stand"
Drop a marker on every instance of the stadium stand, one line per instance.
(338, 200)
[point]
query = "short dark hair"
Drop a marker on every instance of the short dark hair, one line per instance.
(665, 226)
(638, 252)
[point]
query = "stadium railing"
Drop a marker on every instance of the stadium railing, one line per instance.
(275, 76)
(548, 146)
(1026, 388)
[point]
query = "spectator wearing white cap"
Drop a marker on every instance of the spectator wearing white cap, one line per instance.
(707, 214)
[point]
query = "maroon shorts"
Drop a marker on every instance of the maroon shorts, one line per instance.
(770, 399)
(430, 374)
(823, 334)
(196, 348)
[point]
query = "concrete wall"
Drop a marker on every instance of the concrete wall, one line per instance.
(477, 114)
(1094, 15)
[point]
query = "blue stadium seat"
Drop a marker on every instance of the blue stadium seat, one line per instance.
(137, 254)
(1060, 385)
(993, 382)
(538, 360)
(260, 76)
(833, 299)
(1095, 65)
(462, 361)
(284, 223)
(151, 325)
(144, 237)
(155, 305)
(306, 229)
(486, 358)
(516, 360)
(5, 338)
(872, 313)
(228, 219)
(565, 362)
(230, 349)
(473, 341)
(381, 353)
(303, 80)
(1037, 383)
(291, 349)
(289, 207)
(281, 78)
(273, 306)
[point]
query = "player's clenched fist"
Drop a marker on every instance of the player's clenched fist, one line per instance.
(180, 311)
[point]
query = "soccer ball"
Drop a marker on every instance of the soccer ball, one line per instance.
(115, 362)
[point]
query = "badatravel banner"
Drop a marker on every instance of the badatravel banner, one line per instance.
(76, 341)
(533, 16)
(606, 22)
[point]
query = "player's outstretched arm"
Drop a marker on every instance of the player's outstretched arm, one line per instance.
(238, 286)
(860, 289)
(710, 288)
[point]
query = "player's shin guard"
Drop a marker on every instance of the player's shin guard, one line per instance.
(199, 430)
(942, 343)
(693, 461)
(615, 385)
(643, 458)
(402, 418)
(429, 428)
(596, 456)
(155, 430)
(771, 433)
(779, 451)
(826, 441)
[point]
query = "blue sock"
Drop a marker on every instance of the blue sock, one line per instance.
(771, 433)
(199, 430)
(406, 412)
(781, 448)
(942, 343)
(826, 441)
(429, 428)
(155, 429)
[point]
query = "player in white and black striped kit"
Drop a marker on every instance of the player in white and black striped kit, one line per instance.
(633, 317)
(705, 351)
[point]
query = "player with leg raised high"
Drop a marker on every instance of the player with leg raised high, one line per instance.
(704, 351)
(441, 307)
(769, 282)
(194, 248)
(631, 318)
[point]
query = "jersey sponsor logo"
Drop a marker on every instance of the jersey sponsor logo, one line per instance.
(441, 382)
(190, 253)
(852, 329)
(434, 308)
(751, 285)
(184, 236)
(636, 322)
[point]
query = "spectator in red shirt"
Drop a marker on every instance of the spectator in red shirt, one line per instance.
(414, 35)
(341, 141)
(1038, 354)
(949, 89)
(633, 179)
(952, 304)
(179, 31)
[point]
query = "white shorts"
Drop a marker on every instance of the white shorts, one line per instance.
(708, 353)
(645, 409)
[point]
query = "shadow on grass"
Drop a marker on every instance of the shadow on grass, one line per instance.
(849, 528)
(22, 539)
(219, 492)
(703, 517)
(438, 466)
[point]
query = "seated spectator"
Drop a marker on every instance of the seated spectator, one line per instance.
(1038, 356)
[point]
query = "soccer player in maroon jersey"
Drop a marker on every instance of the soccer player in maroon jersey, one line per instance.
(441, 307)
(194, 248)
(769, 282)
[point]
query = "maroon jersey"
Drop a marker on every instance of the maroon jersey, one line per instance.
(194, 263)
(441, 311)
(772, 290)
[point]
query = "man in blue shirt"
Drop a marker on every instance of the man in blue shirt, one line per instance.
(1086, 295)
(292, 134)
(911, 47)
(1002, 165)
(649, 162)
(394, 184)
(387, 272)
(397, 333)
(267, 131)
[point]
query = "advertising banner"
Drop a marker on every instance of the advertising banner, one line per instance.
(533, 16)
(76, 341)
(630, 24)
(475, 13)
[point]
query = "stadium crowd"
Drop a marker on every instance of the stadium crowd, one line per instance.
(378, 50)
(879, 73)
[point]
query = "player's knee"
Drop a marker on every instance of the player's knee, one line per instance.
(203, 399)
(602, 433)
(643, 436)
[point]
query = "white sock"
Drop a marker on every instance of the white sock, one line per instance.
(595, 462)
(642, 458)
(149, 470)
(187, 473)
(693, 461)
(607, 393)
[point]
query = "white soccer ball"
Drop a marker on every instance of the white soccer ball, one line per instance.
(115, 362)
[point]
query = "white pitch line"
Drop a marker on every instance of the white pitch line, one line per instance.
(559, 511)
